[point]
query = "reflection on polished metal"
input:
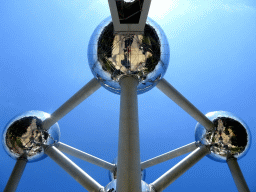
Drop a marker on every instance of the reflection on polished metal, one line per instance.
(23, 136)
(14, 179)
(180, 100)
(128, 56)
(112, 56)
(174, 173)
(230, 138)
(169, 155)
(70, 104)
(73, 170)
(128, 166)
(111, 187)
(237, 175)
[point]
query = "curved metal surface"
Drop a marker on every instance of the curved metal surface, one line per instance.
(231, 137)
(111, 187)
(24, 137)
(112, 56)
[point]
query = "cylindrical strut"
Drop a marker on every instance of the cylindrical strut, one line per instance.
(180, 100)
(14, 179)
(72, 169)
(237, 175)
(128, 162)
(84, 156)
(174, 173)
(169, 155)
(70, 104)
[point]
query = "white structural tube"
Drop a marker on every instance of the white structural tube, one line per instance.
(128, 163)
(14, 179)
(70, 104)
(84, 156)
(169, 155)
(179, 169)
(73, 170)
(237, 175)
(180, 100)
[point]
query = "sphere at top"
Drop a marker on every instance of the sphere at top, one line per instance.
(230, 138)
(23, 136)
(113, 55)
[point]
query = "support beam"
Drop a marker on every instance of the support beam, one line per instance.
(179, 169)
(169, 155)
(180, 100)
(128, 163)
(237, 175)
(70, 104)
(73, 170)
(17, 172)
(84, 156)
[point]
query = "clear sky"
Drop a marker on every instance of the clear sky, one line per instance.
(43, 62)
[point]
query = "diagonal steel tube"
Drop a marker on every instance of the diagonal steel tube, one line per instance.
(169, 155)
(14, 179)
(84, 156)
(72, 169)
(180, 168)
(237, 175)
(180, 100)
(70, 104)
(128, 163)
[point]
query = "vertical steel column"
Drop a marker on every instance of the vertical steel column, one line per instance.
(128, 163)
(237, 175)
(174, 173)
(14, 179)
(70, 104)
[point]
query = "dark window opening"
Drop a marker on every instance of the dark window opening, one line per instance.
(129, 12)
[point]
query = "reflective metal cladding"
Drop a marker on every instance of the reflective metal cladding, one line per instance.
(23, 137)
(230, 138)
(111, 187)
(144, 56)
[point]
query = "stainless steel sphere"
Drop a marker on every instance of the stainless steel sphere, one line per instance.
(23, 136)
(111, 187)
(230, 138)
(112, 56)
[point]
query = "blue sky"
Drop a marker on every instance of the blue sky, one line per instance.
(43, 62)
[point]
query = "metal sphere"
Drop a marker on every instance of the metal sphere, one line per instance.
(111, 187)
(23, 136)
(112, 175)
(230, 138)
(111, 56)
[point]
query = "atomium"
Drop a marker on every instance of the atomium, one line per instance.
(135, 61)
(144, 56)
(23, 136)
(230, 138)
